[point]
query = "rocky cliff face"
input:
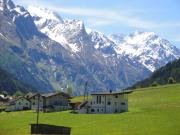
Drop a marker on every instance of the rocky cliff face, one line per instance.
(49, 53)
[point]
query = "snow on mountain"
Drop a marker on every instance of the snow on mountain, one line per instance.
(36, 59)
(101, 42)
(147, 48)
(61, 31)
(44, 14)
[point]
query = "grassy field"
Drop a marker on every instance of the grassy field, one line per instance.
(152, 111)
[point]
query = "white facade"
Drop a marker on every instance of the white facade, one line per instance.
(56, 102)
(18, 104)
(34, 102)
(106, 103)
(109, 103)
(47, 102)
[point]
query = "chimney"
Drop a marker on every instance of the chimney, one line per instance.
(110, 91)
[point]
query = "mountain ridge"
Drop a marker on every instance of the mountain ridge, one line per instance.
(146, 48)
(53, 53)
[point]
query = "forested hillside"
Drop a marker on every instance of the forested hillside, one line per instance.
(170, 73)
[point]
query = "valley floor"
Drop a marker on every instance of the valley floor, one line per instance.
(152, 111)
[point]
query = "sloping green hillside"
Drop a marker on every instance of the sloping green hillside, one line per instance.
(162, 75)
(10, 84)
(152, 111)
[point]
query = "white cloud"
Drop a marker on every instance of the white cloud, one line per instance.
(107, 16)
(99, 22)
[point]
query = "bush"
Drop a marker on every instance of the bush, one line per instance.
(18, 94)
(154, 84)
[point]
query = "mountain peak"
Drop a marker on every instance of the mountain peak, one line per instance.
(44, 13)
(148, 48)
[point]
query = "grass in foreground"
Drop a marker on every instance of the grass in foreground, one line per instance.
(152, 111)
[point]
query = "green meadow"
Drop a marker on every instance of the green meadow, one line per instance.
(152, 111)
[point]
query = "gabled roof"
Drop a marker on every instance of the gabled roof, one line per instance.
(55, 94)
(113, 93)
(35, 94)
(48, 95)
(83, 104)
(12, 102)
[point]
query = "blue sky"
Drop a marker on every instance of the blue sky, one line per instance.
(120, 16)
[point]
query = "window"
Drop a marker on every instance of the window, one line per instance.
(19, 103)
(92, 110)
(109, 103)
(97, 110)
(116, 96)
(102, 110)
(33, 103)
(99, 99)
(26, 103)
(123, 103)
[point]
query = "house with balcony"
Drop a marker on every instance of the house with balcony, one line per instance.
(18, 104)
(50, 102)
(35, 99)
(106, 102)
(56, 102)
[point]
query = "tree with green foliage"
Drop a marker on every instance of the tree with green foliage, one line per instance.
(58, 90)
(154, 84)
(18, 94)
(70, 89)
(5, 93)
(171, 80)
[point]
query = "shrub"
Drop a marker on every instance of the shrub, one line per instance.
(154, 84)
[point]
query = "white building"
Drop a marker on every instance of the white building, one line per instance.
(34, 99)
(47, 102)
(56, 102)
(50, 102)
(106, 102)
(21, 103)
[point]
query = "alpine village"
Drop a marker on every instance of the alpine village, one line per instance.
(59, 75)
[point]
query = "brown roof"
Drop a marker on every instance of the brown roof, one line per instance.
(12, 102)
(113, 93)
(35, 94)
(48, 95)
(55, 94)
(83, 104)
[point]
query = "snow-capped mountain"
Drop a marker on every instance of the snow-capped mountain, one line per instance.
(147, 48)
(101, 42)
(69, 33)
(49, 52)
(35, 57)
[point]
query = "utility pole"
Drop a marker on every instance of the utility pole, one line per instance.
(38, 110)
(85, 89)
